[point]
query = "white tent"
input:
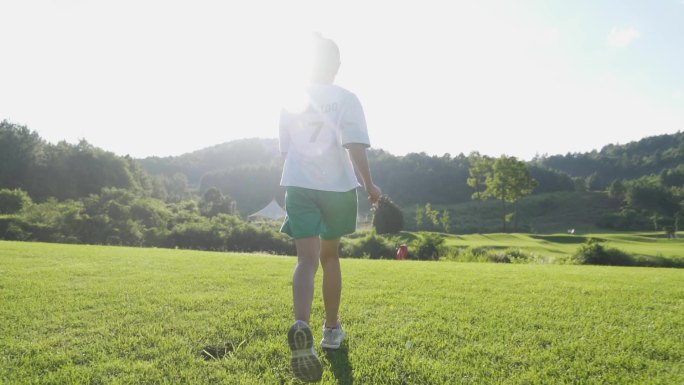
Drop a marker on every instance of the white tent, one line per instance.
(271, 211)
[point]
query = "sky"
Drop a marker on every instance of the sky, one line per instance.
(522, 78)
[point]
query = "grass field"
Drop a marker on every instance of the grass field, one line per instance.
(638, 244)
(112, 315)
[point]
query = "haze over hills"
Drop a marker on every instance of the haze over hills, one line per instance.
(613, 161)
(635, 184)
(250, 151)
(248, 170)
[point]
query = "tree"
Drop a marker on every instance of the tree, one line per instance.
(480, 169)
(673, 177)
(250, 186)
(594, 182)
(617, 190)
(650, 195)
(176, 187)
(20, 149)
(420, 215)
(432, 216)
(445, 221)
(68, 171)
(580, 184)
(214, 202)
(509, 181)
(550, 180)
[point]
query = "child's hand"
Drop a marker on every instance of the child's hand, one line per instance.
(374, 193)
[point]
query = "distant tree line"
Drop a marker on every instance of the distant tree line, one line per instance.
(643, 178)
(63, 170)
(82, 194)
(648, 156)
(118, 216)
(419, 178)
(653, 201)
(196, 165)
(249, 171)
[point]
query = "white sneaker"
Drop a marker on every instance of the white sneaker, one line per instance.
(305, 363)
(332, 338)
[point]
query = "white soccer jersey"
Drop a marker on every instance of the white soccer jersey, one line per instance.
(314, 140)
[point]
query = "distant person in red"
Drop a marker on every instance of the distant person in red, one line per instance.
(402, 253)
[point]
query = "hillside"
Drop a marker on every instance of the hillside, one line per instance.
(632, 160)
(543, 213)
(196, 164)
(650, 155)
(644, 181)
(571, 191)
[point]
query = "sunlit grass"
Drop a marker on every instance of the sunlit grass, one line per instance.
(112, 315)
(559, 245)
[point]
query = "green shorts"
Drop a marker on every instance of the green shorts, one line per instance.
(327, 214)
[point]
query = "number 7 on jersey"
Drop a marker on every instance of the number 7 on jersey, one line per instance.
(318, 126)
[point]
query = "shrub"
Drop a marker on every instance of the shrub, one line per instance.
(465, 254)
(658, 261)
(428, 246)
(486, 254)
(54, 221)
(196, 235)
(371, 246)
(12, 228)
(594, 253)
(226, 232)
(518, 256)
(246, 237)
(473, 254)
(509, 256)
(12, 201)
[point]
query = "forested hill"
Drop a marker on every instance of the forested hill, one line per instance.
(81, 193)
(651, 155)
(248, 170)
(194, 165)
(419, 177)
(64, 171)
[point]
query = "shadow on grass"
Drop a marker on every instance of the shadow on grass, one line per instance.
(659, 261)
(340, 366)
(567, 239)
(217, 352)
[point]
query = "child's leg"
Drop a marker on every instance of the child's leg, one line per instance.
(308, 250)
(332, 280)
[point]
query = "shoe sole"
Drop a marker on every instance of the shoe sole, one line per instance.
(305, 364)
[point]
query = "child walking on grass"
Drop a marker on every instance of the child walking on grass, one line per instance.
(323, 144)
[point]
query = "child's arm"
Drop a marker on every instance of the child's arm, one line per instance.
(357, 153)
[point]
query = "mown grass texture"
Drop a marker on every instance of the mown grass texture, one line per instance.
(554, 245)
(111, 315)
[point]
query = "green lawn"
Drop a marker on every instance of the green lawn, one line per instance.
(555, 245)
(114, 315)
